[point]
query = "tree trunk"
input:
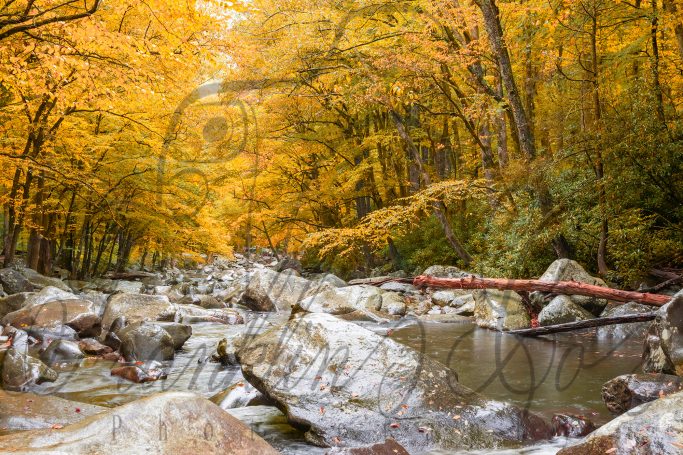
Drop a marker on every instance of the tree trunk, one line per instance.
(598, 322)
(439, 208)
(557, 287)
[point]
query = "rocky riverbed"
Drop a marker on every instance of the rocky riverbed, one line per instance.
(252, 357)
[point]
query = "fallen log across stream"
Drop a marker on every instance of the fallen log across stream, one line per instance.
(554, 287)
(571, 326)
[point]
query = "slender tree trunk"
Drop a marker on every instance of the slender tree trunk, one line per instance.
(439, 208)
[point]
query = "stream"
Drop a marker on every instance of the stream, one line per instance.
(559, 374)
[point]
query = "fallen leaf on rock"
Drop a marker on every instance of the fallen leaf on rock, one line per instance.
(57, 426)
(394, 425)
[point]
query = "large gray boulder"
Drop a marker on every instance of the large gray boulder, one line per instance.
(630, 390)
(654, 428)
(342, 300)
(13, 282)
(138, 308)
(146, 341)
(561, 310)
(664, 341)
(29, 411)
(20, 300)
(169, 423)
(393, 304)
(445, 271)
(81, 315)
(21, 371)
(346, 385)
(569, 270)
(624, 331)
(272, 291)
(500, 310)
(41, 281)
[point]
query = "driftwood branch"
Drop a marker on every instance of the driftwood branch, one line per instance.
(554, 287)
(570, 326)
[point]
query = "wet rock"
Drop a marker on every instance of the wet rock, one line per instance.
(146, 341)
(239, 395)
(41, 281)
(388, 447)
(654, 428)
(138, 308)
(61, 351)
(91, 346)
(226, 351)
(193, 314)
(29, 411)
(571, 426)
(188, 424)
(20, 371)
(561, 310)
(624, 331)
(500, 310)
(341, 300)
(139, 374)
(14, 282)
(81, 315)
(445, 271)
(345, 384)
(568, 270)
(631, 390)
(204, 301)
(393, 304)
(48, 334)
(180, 333)
(48, 294)
(272, 291)
(664, 341)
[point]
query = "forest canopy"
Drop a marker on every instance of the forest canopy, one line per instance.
(493, 135)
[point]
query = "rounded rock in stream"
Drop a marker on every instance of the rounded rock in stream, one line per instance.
(168, 423)
(347, 386)
(81, 315)
(29, 411)
(146, 342)
(630, 390)
(61, 351)
(654, 428)
(20, 371)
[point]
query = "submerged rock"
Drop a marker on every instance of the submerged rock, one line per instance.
(20, 371)
(29, 411)
(171, 422)
(631, 390)
(346, 385)
(388, 447)
(664, 341)
(272, 291)
(624, 331)
(571, 426)
(654, 428)
(500, 310)
(139, 374)
(561, 310)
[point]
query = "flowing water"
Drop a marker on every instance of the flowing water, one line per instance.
(558, 374)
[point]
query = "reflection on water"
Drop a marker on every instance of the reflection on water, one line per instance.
(554, 374)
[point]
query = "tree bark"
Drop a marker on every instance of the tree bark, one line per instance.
(439, 208)
(598, 322)
(556, 287)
